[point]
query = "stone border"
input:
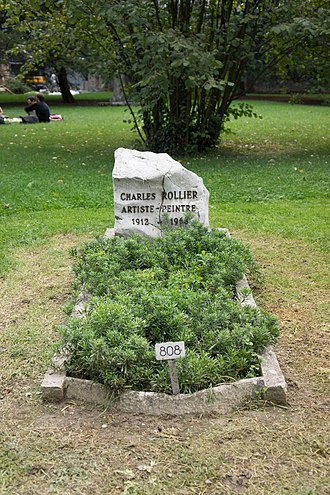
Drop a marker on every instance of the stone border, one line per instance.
(271, 386)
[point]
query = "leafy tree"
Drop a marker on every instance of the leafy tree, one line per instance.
(47, 38)
(8, 37)
(309, 34)
(185, 59)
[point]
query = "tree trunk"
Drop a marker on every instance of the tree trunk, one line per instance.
(118, 97)
(64, 86)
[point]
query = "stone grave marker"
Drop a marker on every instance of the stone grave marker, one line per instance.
(148, 186)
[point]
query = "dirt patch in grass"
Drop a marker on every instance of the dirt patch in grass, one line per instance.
(260, 148)
(76, 449)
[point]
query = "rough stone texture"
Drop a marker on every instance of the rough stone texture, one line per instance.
(217, 400)
(274, 381)
(246, 299)
(109, 233)
(82, 302)
(58, 362)
(86, 390)
(148, 186)
(53, 386)
(274, 389)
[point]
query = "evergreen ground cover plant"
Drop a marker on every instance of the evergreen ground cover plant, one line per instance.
(179, 287)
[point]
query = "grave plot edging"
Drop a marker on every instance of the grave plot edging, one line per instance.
(271, 385)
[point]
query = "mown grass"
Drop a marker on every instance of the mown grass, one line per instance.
(269, 175)
(57, 177)
(21, 98)
(269, 184)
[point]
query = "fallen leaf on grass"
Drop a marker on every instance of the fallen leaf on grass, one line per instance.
(144, 467)
(126, 473)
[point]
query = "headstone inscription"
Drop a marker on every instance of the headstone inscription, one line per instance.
(149, 186)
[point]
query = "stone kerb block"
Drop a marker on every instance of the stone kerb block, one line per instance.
(148, 186)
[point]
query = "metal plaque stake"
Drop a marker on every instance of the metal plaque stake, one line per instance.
(174, 377)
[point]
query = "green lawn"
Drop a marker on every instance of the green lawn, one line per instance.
(269, 175)
(269, 184)
(20, 99)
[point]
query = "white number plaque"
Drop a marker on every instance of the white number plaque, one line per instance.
(170, 350)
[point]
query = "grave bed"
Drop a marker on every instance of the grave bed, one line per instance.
(270, 386)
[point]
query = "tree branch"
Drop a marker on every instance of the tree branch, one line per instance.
(130, 108)
(157, 15)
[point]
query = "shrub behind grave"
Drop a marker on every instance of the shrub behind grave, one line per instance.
(180, 286)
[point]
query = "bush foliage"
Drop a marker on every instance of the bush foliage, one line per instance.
(17, 86)
(177, 287)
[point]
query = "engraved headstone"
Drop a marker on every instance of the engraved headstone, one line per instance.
(149, 186)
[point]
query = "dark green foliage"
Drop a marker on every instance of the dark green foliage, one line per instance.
(186, 61)
(177, 287)
(17, 86)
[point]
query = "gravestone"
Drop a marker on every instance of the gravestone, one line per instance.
(150, 188)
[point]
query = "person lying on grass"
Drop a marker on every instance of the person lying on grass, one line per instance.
(2, 116)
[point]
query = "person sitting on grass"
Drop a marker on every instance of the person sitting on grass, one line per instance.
(40, 107)
(32, 117)
(29, 119)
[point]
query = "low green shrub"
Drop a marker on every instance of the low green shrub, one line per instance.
(17, 86)
(180, 286)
